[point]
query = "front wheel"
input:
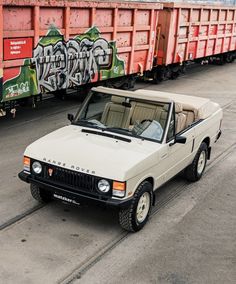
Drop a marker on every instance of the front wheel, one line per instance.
(136, 215)
(195, 171)
(39, 194)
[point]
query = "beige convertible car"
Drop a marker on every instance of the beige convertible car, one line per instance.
(120, 148)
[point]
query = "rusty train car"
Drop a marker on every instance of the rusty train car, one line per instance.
(189, 32)
(50, 46)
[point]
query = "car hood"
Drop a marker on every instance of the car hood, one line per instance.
(71, 148)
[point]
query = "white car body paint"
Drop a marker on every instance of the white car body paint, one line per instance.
(132, 161)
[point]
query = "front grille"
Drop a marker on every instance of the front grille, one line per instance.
(70, 179)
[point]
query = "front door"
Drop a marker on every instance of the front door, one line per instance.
(176, 156)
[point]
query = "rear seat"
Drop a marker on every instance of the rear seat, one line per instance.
(180, 118)
(190, 117)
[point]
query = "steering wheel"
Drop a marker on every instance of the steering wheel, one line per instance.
(148, 120)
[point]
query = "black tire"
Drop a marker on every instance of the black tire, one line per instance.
(24, 102)
(229, 58)
(174, 75)
(60, 94)
(128, 216)
(192, 172)
(39, 194)
(157, 79)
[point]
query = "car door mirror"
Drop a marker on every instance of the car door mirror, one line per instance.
(180, 139)
(70, 117)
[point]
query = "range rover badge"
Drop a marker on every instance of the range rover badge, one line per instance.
(50, 172)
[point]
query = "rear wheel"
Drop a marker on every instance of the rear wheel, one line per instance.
(39, 194)
(136, 215)
(195, 171)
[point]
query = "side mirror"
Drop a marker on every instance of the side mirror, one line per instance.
(70, 117)
(180, 139)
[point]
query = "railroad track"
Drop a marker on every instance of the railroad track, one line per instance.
(48, 115)
(181, 187)
(21, 217)
(177, 188)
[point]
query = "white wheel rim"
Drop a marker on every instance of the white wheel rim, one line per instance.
(143, 207)
(201, 162)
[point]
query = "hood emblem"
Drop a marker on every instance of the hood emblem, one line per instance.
(50, 172)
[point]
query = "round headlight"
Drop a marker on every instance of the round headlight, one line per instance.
(37, 167)
(103, 185)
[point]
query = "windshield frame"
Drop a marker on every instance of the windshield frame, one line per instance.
(82, 107)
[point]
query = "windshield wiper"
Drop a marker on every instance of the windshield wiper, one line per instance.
(92, 124)
(119, 130)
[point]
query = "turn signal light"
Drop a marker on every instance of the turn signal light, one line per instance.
(118, 188)
(27, 164)
(118, 185)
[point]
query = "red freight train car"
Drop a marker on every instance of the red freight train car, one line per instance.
(188, 32)
(50, 45)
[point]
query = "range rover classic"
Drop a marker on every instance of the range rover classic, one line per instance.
(120, 148)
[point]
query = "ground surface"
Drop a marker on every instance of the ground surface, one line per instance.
(190, 237)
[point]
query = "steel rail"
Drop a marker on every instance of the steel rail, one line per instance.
(78, 272)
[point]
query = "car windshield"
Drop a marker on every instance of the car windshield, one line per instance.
(124, 115)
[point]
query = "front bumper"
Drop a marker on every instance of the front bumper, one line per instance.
(76, 196)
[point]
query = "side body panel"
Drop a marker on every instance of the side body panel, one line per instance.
(189, 32)
(50, 45)
(172, 160)
(208, 128)
(179, 155)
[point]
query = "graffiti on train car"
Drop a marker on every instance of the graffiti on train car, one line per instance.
(59, 64)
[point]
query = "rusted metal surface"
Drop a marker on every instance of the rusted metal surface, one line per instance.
(1, 52)
(53, 45)
(189, 31)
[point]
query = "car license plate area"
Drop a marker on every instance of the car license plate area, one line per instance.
(65, 199)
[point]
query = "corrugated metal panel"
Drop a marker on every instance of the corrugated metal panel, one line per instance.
(50, 45)
(189, 31)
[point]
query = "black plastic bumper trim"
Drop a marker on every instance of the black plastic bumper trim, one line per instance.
(76, 196)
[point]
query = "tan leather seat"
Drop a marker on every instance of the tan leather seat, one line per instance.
(190, 117)
(115, 114)
(142, 111)
(191, 114)
(180, 118)
(163, 116)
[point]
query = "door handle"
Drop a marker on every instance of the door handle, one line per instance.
(163, 156)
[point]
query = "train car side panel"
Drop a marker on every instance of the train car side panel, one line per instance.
(1, 55)
(190, 31)
(54, 45)
(163, 36)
